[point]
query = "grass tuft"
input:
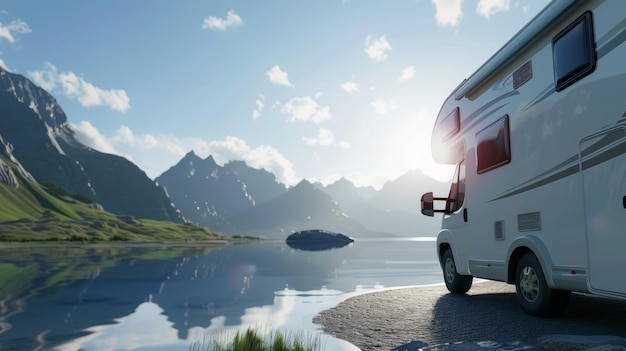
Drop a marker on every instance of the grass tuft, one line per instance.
(251, 340)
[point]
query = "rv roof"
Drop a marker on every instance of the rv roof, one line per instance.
(525, 37)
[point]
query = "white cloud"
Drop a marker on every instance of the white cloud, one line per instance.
(154, 154)
(263, 156)
(377, 49)
(448, 12)
(87, 134)
(306, 109)
(486, 8)
(384, 106)
(9, 31)
(278, 77)
(260, 105)
(75, 87)
(324, 138)
(232, 20)
(350, 87)
(407, 74)
(344, 144)
(3, 65)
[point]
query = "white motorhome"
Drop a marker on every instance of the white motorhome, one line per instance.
(538, 136)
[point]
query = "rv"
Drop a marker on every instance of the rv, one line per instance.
(538, 137)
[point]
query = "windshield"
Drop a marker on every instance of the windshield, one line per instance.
(457, 189)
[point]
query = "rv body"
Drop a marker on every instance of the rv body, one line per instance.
(538, 134)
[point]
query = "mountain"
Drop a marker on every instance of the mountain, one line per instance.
(403, 193)
(9, 167)
(36, 212)
(241, 200)
(399, 201)
(41, 138)
(260, 184)
(203, 191)
(301, 207)
(394, 209)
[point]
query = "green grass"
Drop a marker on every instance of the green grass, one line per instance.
(32, 212)
(251, 340)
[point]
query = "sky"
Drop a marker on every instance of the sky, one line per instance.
(314, 89)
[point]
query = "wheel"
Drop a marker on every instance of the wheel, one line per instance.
(455, 282)
(534, 294)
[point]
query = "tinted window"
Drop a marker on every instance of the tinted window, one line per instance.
(573, 52)
(493, 148)
(451, 124)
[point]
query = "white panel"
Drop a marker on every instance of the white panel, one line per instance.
(604, 182)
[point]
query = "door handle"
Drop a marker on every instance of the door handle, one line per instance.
(624, 201)
(465, 211)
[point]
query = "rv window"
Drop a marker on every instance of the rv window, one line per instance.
(573, 52)
(451, 124)
(457, 189)
(493, 148)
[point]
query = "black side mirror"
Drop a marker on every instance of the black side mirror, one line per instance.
(427, 205)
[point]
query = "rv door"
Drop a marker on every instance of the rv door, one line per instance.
(603, 165)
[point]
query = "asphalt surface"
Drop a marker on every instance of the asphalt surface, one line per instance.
(488, 317)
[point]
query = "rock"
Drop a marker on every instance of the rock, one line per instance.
(317, 239)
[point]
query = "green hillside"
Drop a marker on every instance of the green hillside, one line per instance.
(33, 212)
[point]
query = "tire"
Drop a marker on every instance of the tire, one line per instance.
(532, 291)
(455, 282)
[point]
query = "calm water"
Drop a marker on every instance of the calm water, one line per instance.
(167, 298)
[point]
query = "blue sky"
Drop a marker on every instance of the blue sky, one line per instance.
(305, 89)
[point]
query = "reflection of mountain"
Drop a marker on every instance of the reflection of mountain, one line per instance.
(82, 291)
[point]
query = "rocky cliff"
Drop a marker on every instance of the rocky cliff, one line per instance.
(40, 137)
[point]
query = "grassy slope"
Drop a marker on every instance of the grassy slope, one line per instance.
(30, 213)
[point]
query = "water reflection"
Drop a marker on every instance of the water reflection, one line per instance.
(165, 298)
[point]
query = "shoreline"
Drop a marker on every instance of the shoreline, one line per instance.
(409, 318)
(105, 244)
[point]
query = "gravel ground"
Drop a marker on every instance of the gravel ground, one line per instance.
(487, 317)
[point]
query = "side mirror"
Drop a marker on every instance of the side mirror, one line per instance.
(427, 205)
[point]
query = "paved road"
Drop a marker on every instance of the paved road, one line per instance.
(429, 316)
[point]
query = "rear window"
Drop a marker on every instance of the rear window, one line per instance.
(493, 148)
(573, 52)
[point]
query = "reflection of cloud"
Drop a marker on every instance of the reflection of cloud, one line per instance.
(146, 327)
(321, 292)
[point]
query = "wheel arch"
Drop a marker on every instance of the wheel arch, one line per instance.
(445, 240)
(522, 245)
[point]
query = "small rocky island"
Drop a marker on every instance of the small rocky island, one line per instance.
(317, 239)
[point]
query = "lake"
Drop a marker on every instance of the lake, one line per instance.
(165, 298)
